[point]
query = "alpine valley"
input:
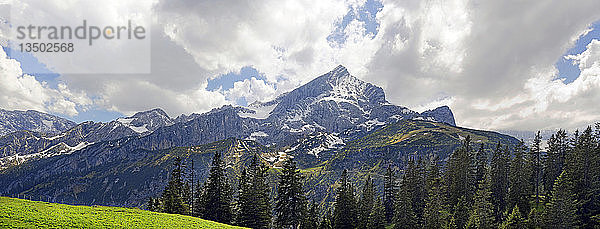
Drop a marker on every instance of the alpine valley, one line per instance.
(332, 123)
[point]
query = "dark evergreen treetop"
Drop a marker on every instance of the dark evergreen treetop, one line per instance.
(217, 194)
(290, 201)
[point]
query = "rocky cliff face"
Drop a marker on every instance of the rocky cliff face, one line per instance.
(12, 121)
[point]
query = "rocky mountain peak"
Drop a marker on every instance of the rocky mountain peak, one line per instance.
(11, 121)
(147, 121)
(440, 114)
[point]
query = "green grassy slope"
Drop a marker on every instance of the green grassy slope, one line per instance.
(17, 213)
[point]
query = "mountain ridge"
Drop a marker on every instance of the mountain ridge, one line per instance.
(336, 103)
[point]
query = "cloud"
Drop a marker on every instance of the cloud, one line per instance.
(251, 90)
(491, 61)
(23, 92)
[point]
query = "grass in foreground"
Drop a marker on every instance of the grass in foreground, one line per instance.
(17, 213)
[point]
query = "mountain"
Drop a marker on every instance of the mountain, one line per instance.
(335, 102)
(115, 173)
(335, 121)
(12, 121)
(24, 145)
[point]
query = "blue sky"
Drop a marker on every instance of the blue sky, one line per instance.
(567, 70)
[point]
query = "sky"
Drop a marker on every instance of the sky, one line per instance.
(499, 65)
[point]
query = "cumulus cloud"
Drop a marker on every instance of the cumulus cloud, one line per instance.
(23, 92)
(251, 90)
(487, 59)
(491, 61)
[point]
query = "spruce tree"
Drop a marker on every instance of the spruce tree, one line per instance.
(459, 174)
(482, 214)
(244, 209)
(154, 205)
(377, 216)
(480, 164)
(310, 220)
(404, 216)
(216, 196)
(414, 184)
(198, 201)
(582, 169)
(173, 198)
(433, 215)
(461, 212)
(499, 177)
(514, 220)
(389, 194)
(561, 211)
(558, 146)
(534, 219)
(520, 188)
(254, 202)
(534, 166)
(365, 204)
(344, 212)
(290, 201)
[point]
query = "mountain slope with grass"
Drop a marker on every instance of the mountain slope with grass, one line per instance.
(18, 213)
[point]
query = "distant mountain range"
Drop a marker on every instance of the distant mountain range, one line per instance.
(12, 121)
(333, 122)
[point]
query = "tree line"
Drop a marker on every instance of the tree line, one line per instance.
(508, 186)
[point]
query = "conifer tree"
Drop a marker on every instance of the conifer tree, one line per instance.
(216, 195)
(458, 174)
(433, 216)
(154, 205)
(520, 190)
(310, 220)
(244, 201)
(514, 220)
(582, 170)
(254, 202)
(558, 147)
(482, 214)
(480, 164)
(365, 204)
(198, 200)
(499, 178)
(534, 166)
(290, 201)
(404, 216)
(414, 184)
(173, 198)
(344, 212)
(561, 211)
(377, 216)
(461, 212)
(389, 194)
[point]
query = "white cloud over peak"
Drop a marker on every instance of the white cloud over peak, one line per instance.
(491, 61)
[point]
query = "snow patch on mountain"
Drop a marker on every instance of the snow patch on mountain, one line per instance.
(257, 111)
(332, 141)
(56, 150)
(372, 124)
